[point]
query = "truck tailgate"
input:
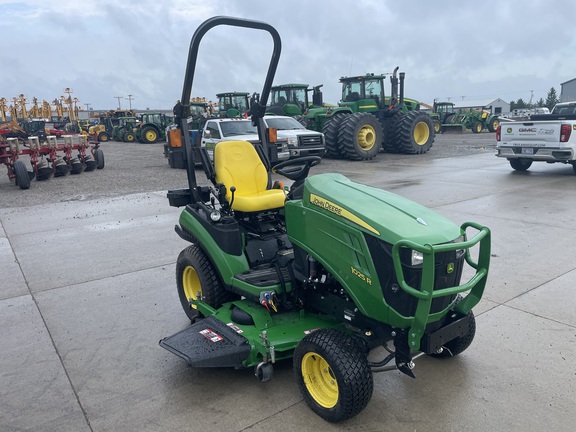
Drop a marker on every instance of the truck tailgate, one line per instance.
(539, 134)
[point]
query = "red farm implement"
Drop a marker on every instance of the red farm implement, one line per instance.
(56, 156)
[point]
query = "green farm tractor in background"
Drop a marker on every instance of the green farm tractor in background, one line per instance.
(446, 118)
(292, 100)
(366, 121)
(323, 272)
(152, 127)
(125, 129)
(233, 104)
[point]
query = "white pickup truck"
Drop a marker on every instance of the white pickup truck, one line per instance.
(546, 138)
(230, 129)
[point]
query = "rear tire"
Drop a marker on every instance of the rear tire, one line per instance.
(493, 124)
(21, 173)
(333, 374)
(521, 164)
(149, 135)
(330, 131)
(412, 133)
(195, 274)
(360, 136)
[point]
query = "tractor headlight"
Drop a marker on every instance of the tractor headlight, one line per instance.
(460, 252)
(417, 258)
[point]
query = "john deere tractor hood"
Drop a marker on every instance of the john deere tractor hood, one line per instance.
(383, 214)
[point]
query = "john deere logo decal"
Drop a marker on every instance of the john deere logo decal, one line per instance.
(450, 268)
(509, 130)
(337, 210)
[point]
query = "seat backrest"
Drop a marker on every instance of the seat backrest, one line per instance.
(237, 164)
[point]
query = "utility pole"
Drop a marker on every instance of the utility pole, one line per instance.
(130, 98)
(87, 105)
(118, 97)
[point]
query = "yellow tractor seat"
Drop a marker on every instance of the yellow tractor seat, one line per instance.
(238, 164)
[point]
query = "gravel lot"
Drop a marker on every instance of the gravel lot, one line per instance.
(133, 168)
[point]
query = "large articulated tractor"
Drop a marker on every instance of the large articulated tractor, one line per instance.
(320, 273)
(366, 120)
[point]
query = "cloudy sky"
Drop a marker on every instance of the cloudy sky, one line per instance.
(104, 49)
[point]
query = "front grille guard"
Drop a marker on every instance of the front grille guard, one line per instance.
(426, 293)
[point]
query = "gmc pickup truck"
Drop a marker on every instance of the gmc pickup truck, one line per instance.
(543, 138)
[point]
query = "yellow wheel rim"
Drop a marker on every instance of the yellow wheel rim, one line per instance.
(496, 124)
(421, 133)
(366, 137)
(319, 380)
(151, 135)
(191, 284)
(479, 128)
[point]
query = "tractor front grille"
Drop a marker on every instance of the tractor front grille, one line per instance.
(448, 272)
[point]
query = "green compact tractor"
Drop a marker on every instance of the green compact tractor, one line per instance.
(446, 118)
(366, 120)
(152, 127)
(232, 104)
(322, 273)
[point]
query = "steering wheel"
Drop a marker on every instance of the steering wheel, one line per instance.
(296, 169)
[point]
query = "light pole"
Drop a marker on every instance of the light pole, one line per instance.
(129, 98)
(119, 97)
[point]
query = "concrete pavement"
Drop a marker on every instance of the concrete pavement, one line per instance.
(88, 289)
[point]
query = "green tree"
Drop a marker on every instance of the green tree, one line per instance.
(519, 104)
(540, 103)
(551, 99)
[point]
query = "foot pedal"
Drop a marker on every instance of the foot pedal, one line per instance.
(209, 343)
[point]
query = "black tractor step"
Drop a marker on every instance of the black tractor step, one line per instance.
(209, 343)
(264, 277)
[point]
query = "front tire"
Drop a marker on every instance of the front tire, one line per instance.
(458, 345)
(521, 164)
(330, 131)
(360, 136)
(333, 374)
(196, 276)
(477, 127)
(103, 137)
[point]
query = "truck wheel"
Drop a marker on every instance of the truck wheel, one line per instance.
(330, 131)
(360, 136)
(99, 156)
(458, 345)
(521, 164)
(195, 275)
(477, 127)
(412, 133)
(493, 124)
(21, 173)
(149, 135)
(333, 374)
(103, 137)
